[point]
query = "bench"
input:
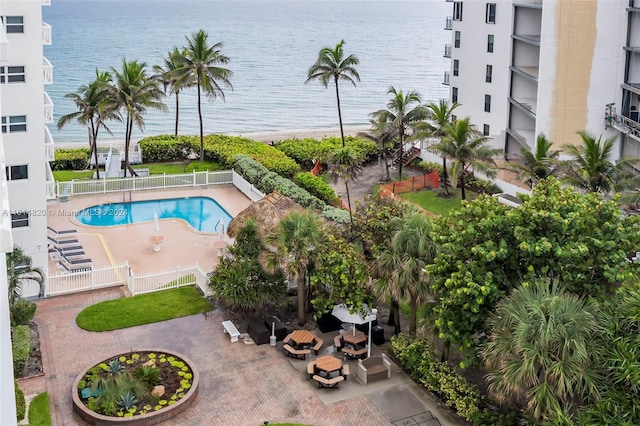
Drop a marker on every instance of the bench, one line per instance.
(295, 353)
(328, 383)
(353, 353)
(231, 330)
(337, 343)
(311, 369)
(318, 345)
(373, 369)
(345, 371)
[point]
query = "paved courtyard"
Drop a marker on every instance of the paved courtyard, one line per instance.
(239, 384)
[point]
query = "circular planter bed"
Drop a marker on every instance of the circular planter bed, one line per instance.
(141, 388)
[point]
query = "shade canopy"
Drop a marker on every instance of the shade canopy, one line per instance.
(266, 213)
(342, 313)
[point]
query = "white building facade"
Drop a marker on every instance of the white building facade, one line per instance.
(554, 67)
(26, 110)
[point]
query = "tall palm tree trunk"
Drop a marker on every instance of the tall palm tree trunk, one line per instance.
(413, 309)
(201, 128)
(396, 317)
(392, 320)
(177, 113)
(94, 147)
(339, 112)
(127, 144)
(446, 348)
(401, 153)
(302, 299)
(346, 185)
(444, 175)
(464, 196)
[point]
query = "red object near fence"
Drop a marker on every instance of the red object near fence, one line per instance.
(430, 180)
(316, 169)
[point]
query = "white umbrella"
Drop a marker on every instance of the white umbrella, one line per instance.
(156, 223)
(342, 312)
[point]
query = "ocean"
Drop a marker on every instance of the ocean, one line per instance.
(271, 45)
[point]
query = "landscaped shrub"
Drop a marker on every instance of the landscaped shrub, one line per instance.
(70, 159)
(304, 151)
(22, 312)
(429, 166)
(20, 345)
(317, 187)
(223, 149)
(21, 403)
(162, 148)
(267, 182)
(482, 186)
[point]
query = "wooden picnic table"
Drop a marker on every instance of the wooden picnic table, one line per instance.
(354, 339)
(328, 364)
(302, 338)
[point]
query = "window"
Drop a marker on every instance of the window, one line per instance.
(456, 39)
(457, 11)
(486, 130)
(13, 24)
(17, 172)
(19, 220)
(487, 103)
(490, 43)
(456, 66)
(11, 75)
(491, 13)
(454, 118)
(14, 123)
(454, 94)
(489, 75)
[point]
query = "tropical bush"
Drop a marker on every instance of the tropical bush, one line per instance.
(22, 311)
(21, 348)
(70, 159)
(21, 403)
(482, 186)
(316, 187)
(267, 182)
(162, 148)
(304, 151)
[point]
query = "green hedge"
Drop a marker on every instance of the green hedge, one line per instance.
(21, 347)
(317, 187)
(419, 358)
(22, 312)
(21, 403)
(267, 182)
(304, 151)
(70, 159)
(164, 148)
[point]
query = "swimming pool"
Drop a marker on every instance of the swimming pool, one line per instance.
(202, 213)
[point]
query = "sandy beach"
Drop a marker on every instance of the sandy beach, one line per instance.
(266, 136)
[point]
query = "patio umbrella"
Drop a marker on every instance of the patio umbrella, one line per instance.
(342, 312)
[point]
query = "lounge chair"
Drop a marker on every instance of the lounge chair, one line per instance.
(76, 260)
(73, 268)
(61, 242)
(64, 231)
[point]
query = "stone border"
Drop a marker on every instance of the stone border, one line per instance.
(148, 419)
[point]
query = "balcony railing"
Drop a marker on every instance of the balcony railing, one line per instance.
(49, 146)
(449, 23)
(621, 123)
(46, 34)
(4, 43)
(447, 50)
(50, 186)
(48, 71)
(445, 81)
(48, 109)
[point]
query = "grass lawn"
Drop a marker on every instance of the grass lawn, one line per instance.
(154, 169)
(142, 309)
(429, 200)
(67, 175)
(39, 411)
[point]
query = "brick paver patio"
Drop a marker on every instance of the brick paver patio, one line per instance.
(239, 384)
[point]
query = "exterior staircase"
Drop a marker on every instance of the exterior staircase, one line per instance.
(409, 155)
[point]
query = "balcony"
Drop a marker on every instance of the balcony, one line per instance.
(48, 71)
(445, 81)
(49, 146)
(4, 44)
(46, 34)
(48, 109)
(621, 123)
(447, 50)
(50, 182)
(449, 23)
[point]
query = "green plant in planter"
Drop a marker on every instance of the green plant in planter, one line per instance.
(147, 374)
(115, 367)
(127, 401)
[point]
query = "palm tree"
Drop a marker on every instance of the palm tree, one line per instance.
(383, 134)
(536, 165)
(169, 79)
(134, 92)
(295, 239)
(94, 107)
(20, 271)
(402, 115)
(468, 148)
(438, 119)
(203, 68)
(332, 65)
(591, 168)
(345, 164)
(403, 262)
(542, 350)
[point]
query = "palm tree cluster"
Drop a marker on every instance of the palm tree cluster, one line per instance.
(125, 94)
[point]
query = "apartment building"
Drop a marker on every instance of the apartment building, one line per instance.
(520, 68)
(26, 111)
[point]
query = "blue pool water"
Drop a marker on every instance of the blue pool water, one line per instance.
(202, 213)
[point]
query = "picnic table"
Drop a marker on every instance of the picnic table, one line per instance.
(324, 371)
(302, 339)
(354, 339)
(328, 364)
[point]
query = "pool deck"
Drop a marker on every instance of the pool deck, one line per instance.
(107, 246)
